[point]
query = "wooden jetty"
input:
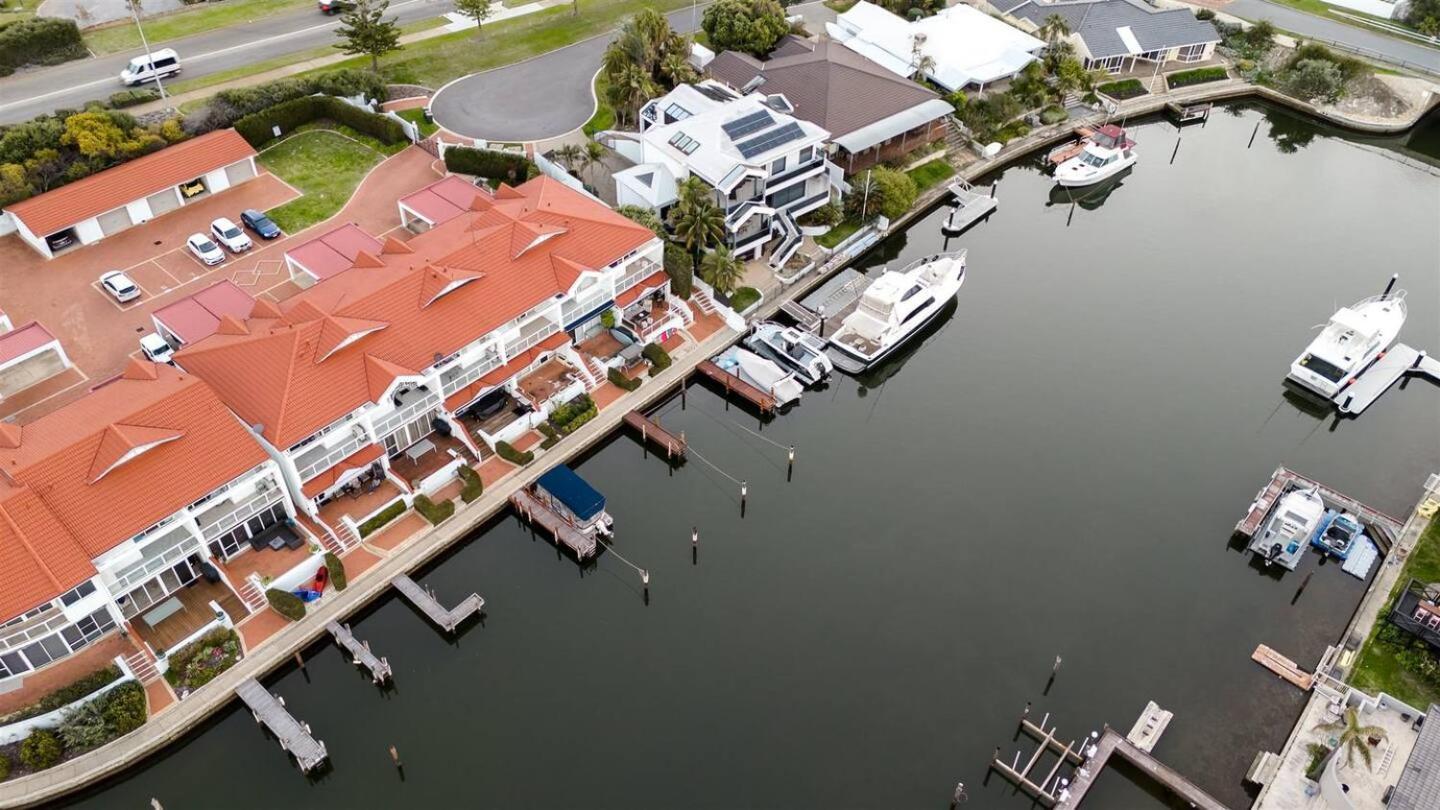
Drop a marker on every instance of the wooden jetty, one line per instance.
(1111, 743)
(651, 431)
(294, 735)
(1182, 113)
(1047, 790)
(1282, 666)
(971, 206)
(1381, 528)
(530, 508)
(1367, 387)
(379, 667)
(1065, 151)
(763, 400)
(447, 619)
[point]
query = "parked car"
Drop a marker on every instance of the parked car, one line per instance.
(156, 349)
(120, 286)
(335, 6)
(227, 234)
(259, 223)
(157, 65)
(205, 250)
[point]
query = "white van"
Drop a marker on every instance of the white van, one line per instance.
(159, 64)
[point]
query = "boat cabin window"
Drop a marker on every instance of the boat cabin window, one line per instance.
(1097, 161)
(911, 292)
(1327, 370)
(919, 309)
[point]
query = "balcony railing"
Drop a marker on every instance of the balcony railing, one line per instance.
(312, 463)
(751, 240)
(574, 309)
(797, 205)
(175, 546)
(406, 413)
(219, 521)
(525, 341)
(639, 271)
(460, 376)
(784, 177)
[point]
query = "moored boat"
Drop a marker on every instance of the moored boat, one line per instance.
(1289, 528)
(800, 352)
(894, 308)
(761, 373)
(1104, 154)
(1354, 338)
(1338, 534)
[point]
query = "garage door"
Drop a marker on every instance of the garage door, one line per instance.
(239, 172)
(112, 222)
(163, 201)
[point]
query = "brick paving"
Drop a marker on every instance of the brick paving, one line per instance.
(255, 630)
(159, 695)
(392, 536)
(493, 469)
(66, 671)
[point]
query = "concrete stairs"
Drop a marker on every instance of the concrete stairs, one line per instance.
(143, 666)
(251, 594)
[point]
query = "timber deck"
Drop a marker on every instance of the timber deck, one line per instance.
(1113, 744)
(652, 432)
(294, 735)
(1380, 527)
(530, 508)
(447, 618)
(1282, 666)
(1353, 399)
(734, 385)
(970, 207)
(378, 667)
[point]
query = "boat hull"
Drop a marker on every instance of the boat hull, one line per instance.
(1069, 178)
(850, 363)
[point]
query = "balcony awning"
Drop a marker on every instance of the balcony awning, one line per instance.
(887, 128)
(356, 460)
(501, 375)
(650, 283)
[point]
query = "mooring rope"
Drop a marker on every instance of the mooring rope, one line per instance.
(611, 547)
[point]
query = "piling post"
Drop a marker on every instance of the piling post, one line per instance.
(1176, 151)
(683, 388)
(299, 661)
(1419, 358)
(395, 757)
(1253, 133)
(695, 535)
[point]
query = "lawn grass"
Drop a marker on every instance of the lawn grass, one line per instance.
(837, 234)
(122, 36)
(931, 173)
(1380, 667)
(325, 166)
(18, 10)
(604, 117)
(743, 298)
(417, 117)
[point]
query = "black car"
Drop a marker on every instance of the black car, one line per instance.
(259, 223)
(335, 6)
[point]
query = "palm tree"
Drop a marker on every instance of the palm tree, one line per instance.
(1054, 28)
(593, 155)
(571, 156)
(1353, 736)
(722, 270)
(696, 220)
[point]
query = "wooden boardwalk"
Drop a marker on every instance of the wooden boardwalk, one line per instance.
(1282, 666)
(733, 384)
(1401, 360)
(294, 736)
(360, 652)
(1381, 528)
(651, 431)
(530, 508)
(447, 619)
(1112, 743)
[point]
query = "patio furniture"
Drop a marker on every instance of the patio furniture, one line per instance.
(418, 450)
(163, 611)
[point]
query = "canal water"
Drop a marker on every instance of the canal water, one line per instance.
(1054, 472)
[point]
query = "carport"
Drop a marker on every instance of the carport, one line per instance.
(29, 355)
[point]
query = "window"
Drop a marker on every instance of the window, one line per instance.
(13, 664)
(165, 62)
(787, 195)
(778, 166)
(684, 143)
(77, 593)
(807, 153)
(1192, 53)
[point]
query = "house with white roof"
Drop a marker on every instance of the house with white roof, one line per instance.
(962, 46)
(1113, 35)
(767, 166)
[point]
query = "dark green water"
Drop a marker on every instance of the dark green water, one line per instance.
(1056, 471)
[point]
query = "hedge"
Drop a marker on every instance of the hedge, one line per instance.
(433, 512)
(1123, 89)
(552, 436)
(474, 486)
(41, 750)
(39, 41)
(259, 128)
(1186, 78)
(658, 357)
(386, 515)
(508, 452)
(129, 98)
(124, 708)
(569, 417)
(228, 106)
(65, 695)
(4, 767)
(617, 377)
(286, 604)
(501, 166)
(336, 569)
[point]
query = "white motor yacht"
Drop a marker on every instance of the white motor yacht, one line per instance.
(1355, 337)
(892, 309)
(761, 373)
(800, 352)
(1287, 532)
(1105, 154)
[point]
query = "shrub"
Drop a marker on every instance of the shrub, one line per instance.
(508, 452)
(336, 567)
(259, 128)
(433, 512)
(615, 376)
(124, 709)
(474, 485)
(507, 167)
(384, 516)
(752, 26)
(1350, 68)
(552, 436)
(1185, 78)
(827, 214)
(67, 694)
(1314, 80)
(228, 106)
(129, 98)
(39, 41)
(569, 417)
(1053, 114)
(891, 195)
(680, 267)
(4, 767)
(286, 604)
(202, 660)
(744, 298)
(607, 319)
(83, 726)
(41, 750)
(643, 216)
(658, 357)
(1204, 14)
(1123, 89)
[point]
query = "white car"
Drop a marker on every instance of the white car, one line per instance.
(204, 249)
(229, 234)
(120, 286)
(156, 349)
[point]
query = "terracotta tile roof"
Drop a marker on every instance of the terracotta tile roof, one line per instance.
(133, 451)
(444, 200)
(130, 181)
(291, 377)
(652, 282)
(354, 461)
(197, 316)
(39, 557)
(21, 341)
(334, 251)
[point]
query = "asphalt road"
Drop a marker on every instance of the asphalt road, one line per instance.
(32, 92)
(1309, 25)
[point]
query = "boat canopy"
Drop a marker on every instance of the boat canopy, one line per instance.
(1349, 320)
(583, 500)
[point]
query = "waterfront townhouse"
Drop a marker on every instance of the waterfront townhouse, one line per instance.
(1117, 35)
(378, 381)
(767, 167)
(127, 509)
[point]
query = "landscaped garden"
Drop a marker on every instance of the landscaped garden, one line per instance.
(1392, 660)
(325, 166)
(83, 728)
(202, 660)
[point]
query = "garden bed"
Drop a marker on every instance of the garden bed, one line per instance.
(1123, 89)
(1186, 78)
(202, 660)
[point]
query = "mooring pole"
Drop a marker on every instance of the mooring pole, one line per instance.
(1176, 152)
(1253, 133)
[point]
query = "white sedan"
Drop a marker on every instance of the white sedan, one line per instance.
(229, 234)
(120, 286)
(204, 249)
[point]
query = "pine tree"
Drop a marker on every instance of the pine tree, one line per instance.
(363, 30)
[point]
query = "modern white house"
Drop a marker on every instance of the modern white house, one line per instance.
(1116, 35)
(958, 47)
(766, 166)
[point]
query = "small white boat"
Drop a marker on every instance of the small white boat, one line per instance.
(1104, 154)
(761, 373)
(800, 352)
(895, 307)
(1355, 337)
(1287, 533)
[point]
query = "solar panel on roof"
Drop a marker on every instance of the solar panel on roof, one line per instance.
(754, 122)
(770, 140)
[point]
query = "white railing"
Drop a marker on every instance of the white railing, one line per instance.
(469, 374)
(640, 270)
(396, 419)
(243, 511)
(145, 569)
(526, 341)
(574, 309)
(315, 465)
